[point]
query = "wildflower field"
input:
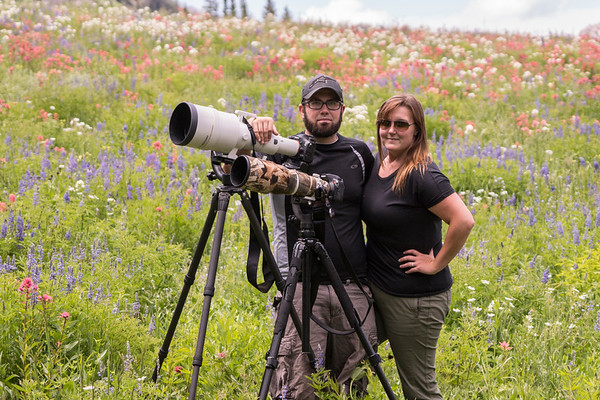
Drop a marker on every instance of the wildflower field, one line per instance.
(100, 213)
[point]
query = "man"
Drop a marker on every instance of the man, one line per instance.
(322, 108)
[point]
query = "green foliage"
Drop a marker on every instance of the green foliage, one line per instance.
(103, 213)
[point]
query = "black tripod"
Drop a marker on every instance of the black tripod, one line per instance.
(218, 210)
(306, 250)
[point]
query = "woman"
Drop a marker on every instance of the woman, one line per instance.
(404, 203)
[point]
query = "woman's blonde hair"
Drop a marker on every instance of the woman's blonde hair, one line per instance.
(417, 155)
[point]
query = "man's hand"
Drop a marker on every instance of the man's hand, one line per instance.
(264, 128)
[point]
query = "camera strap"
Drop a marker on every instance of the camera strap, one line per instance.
(254, 252)
(349, 267)
(254, 249)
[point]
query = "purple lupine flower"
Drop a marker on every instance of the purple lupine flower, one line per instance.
(116, 310)
(31, 262)
(36, 196)
(20, 227)
(129, 191)
(11, 218)
(576, 238)
(127, 364)
(284, 391)
(150, 187)
(319, 358)
(545, 172)
(546, 275)
(559, 228)
(99, 295)
(597, 326)
(151, 326)
(4, 230)
(72, 165)
(67, 197)
(532, 219)
(181, 165)
(135, 307)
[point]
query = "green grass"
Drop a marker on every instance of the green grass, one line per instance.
(103, 212)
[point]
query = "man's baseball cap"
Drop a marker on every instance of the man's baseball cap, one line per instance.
(319, 82)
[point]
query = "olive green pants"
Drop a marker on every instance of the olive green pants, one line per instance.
(413, 325)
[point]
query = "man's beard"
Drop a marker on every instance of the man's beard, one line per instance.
(321, 132)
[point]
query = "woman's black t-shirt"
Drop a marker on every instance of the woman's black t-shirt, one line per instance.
(399, 222)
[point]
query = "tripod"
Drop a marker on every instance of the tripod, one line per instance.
(218, 210)
(306, 250)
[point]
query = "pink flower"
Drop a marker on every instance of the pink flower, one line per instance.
(3, 207)
(12, 197)
(178, 369)
(157, 145)
(159, 209)
(505, 346)
(64, 315)
(221, 355)
(26, 285)
(46, 298)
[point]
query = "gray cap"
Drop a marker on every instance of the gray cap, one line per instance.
(319, 82)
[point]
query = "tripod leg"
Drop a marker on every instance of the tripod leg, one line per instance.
(279, 330)
(209, 288)
(188, 281)
(346, 303)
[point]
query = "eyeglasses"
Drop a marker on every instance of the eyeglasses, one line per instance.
(318, 104)
(399, 125)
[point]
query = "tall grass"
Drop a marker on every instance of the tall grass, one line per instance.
(100, 213)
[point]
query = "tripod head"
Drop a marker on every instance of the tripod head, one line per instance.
(217, 160)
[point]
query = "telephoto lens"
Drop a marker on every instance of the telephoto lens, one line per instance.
(265, 176)
(209, 129)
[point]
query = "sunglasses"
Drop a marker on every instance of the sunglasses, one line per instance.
(318, 104)
(399, 125)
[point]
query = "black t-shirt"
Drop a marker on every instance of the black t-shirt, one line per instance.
(352, 161)
(399, 222)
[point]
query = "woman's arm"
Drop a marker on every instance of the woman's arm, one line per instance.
(460, 221)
